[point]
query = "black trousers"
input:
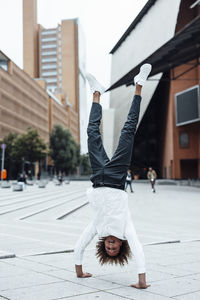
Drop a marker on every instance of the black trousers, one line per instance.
(106, 172)
(130, 185)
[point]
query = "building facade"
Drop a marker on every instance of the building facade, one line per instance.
(57, 55)
(166, 35)
(23, 103)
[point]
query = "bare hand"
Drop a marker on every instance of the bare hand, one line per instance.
(140, 285)
(84, 275)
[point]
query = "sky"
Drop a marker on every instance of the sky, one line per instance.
(103, 23)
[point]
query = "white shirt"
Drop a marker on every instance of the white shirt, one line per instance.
(112, 217)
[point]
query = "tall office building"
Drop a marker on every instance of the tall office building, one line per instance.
(57, 55)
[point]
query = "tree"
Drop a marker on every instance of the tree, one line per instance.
(85, 167)
(64, 150)
(29, 146)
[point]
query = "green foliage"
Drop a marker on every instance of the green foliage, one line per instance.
(28, 146)
(64, 150)
(9, 141)
(85, 167)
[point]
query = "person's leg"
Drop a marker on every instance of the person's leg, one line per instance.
(97, 154)
(153, 184)
(122, 155)
(131, 187)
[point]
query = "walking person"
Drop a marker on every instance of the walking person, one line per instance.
(151, 175)
(128, 181)
(112, 221)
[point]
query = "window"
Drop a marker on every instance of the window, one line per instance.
(51, 73)
(53, 39)
(49, 32)
(184, 140)
(49, 46)
(49, 80)
(49, 59)
(45, 53)
(3, 62)
(47, 67)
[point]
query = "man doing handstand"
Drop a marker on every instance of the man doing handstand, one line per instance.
(112, 222)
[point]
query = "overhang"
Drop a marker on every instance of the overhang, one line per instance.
(139, 17)
(182, 48)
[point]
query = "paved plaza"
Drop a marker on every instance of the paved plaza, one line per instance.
(39, 227)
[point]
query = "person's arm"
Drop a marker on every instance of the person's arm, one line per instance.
(137, 251)
(85, 238)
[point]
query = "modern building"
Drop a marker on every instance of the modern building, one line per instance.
(24, 102)
(57, 55)
(165, 34)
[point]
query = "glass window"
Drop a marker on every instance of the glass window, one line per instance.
(53, 73)
(49, 46)
(49, 59)
(184, 140)
(47, 67)
(49, 80)
(46, 53)
(49, 39)
(3, 62)
(48, 32)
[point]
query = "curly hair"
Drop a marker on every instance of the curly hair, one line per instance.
(121, 258)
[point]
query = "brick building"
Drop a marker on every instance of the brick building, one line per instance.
(166, 34)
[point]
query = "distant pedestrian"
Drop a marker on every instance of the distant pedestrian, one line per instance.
(60, 179)
(128, 181)
(21, 180)
(30, 177)
(151, 175)
(38, 175)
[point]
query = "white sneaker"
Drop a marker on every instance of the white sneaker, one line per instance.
(95, 86)
(144, 73)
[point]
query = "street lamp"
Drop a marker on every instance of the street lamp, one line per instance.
(3, 147)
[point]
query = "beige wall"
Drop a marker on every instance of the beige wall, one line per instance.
(57, 115)
(70, 65)
(23, 103)
(30, 38)
(69, 35)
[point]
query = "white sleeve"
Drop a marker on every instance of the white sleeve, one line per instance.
(135, 245)
(85, 238)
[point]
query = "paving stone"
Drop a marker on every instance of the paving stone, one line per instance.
(89, 282)
(192, 296)
(172, 269)
(7, 270)
(132, 293)
(23, 265)
(175, 286)
(27, 280)
(4, 298)
(193, 266)
(48, 291)
(127, 278)
(98, 296)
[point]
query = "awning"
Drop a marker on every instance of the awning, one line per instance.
(182, 48)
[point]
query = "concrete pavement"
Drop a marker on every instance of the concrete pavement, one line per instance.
(39, 227)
